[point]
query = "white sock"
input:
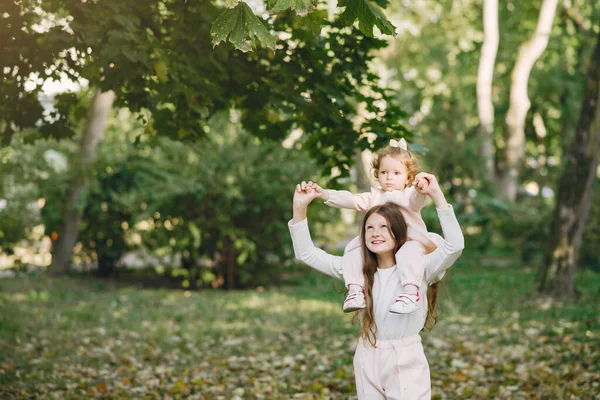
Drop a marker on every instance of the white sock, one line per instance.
(354, 288)
(410, 288)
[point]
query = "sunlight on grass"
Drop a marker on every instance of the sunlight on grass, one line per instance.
(283, 304)
(31, 295)
(16, 297)
(283, 342)
(226, 326)
(173, 298)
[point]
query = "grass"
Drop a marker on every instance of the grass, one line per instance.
(80, 337)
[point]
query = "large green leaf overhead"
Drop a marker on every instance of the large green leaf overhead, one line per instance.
(368, 15)
(242, 28)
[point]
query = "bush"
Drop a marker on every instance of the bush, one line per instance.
(214, 213)
(489, 224)
(29, 172)
(228, 210)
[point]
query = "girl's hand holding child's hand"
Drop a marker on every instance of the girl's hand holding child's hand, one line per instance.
(321, 193)
(304, 194)
(426, 183)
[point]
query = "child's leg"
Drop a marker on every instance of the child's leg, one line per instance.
(411, 268)
(411, 265)
(353, 276)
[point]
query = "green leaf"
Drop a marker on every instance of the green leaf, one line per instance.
(161, 72)
(241, 27)
(368, 14)
(196, 233)
(302, 7)
(313, 21)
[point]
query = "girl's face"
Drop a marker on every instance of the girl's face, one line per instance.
(392, 174)
(378, 236)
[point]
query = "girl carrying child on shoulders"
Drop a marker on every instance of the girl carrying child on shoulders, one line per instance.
(396, 170)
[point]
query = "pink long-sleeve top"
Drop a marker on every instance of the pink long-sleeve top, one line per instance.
(409, 200)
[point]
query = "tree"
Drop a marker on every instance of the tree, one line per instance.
(160, 57)
(574, 193)
(485, 74)
(91, 138)
(529, 53)
(433, 63)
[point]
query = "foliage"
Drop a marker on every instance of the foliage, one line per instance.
(224, 203)
(160, 58)
(228, 205)
(16, 215)
(241, 27)
(244, 26)
(526, 227)
(97, 339)
(433, 64)
(368, 15)
(111, 206)
(40, 172)
(434, 61)
(301, 7)
(482, 218)
(29, 173)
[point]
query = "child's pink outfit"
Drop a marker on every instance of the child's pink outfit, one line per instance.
(409, 256)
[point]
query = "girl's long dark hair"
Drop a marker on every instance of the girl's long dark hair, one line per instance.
(398, 229)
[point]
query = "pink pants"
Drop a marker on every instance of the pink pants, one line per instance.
(395, 369)
(409, 260)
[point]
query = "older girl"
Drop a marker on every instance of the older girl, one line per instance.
(389, 362)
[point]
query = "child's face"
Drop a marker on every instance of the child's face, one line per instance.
(392, 174)
(378, 237)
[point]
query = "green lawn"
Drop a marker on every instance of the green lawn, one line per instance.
(82, 337)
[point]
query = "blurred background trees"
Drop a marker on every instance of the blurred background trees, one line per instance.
(204, 144)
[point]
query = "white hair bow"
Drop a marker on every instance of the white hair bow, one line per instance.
(399, 143)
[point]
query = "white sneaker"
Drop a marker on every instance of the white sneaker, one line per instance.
(406, 303)
(354, 301)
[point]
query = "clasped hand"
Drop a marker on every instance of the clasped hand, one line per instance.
(305, 193)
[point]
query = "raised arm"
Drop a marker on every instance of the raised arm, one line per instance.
(304, 249)
(408, 198)
(453, 243)
(449, 249)
(427, 185)
(416, 200)
(344, 199)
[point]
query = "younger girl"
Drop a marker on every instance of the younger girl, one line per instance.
(395, 168)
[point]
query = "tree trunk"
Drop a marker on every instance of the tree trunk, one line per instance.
(230, 264)
(106, 265)
(574, 194)
(485, 74)
(364, 176)
(6, 136)
(529, 53)
(92, 135)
